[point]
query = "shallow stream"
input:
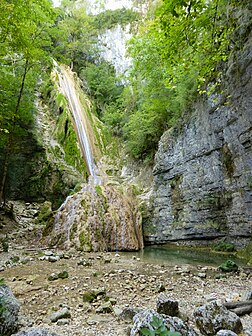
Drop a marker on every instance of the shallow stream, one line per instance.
(172, 255)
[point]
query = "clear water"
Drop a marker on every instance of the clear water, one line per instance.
(172, 255)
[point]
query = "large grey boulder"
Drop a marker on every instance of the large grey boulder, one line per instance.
(9, 309)
(145, 319)
(36, 332)
(213, 317)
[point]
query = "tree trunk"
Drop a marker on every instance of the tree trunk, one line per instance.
(240, 307)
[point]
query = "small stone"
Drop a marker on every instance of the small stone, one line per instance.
(202, 275)
(53, 277)
(49, 253)
(53, 259)
(113, 301)
(128, 313)
(61, 314)
(161, 288)
(63, 322)
(107, 260)
(105, 308)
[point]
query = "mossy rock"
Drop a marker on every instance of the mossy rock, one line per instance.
(88, 296)
(63, 275)
(228, 266)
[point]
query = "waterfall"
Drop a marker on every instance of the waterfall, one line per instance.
(67, 86)
(98, 217)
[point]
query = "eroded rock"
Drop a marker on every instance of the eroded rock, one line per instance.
(213, 317)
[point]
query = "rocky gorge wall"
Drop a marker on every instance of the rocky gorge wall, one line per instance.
(203, 170)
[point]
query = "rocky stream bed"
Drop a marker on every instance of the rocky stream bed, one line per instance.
(75, 293)
(119, 282)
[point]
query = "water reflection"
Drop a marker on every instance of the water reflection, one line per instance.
(173, 255)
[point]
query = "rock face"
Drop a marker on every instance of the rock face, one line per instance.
(203, 171)
(212, 318)
(9, 309)
(98, 218)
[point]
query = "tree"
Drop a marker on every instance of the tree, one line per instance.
(25, 43)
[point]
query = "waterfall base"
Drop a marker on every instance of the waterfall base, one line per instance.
(98, 218)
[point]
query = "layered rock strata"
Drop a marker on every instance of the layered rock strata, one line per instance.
(203, 171)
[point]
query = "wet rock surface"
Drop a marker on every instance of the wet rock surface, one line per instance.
(120, 289)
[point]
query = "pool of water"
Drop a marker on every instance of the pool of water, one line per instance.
(172, 255)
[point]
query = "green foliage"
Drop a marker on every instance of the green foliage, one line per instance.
(177, 51)
(110, 18)
(25, 43)
(228, 266)
(2, 282)
(224, 246)
(102, 83)
(74, 35)
(158, 328)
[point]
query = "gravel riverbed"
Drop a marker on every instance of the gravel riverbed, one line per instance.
(123, 280)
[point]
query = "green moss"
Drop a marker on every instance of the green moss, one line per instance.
(246, 253)
(217, 200)
(85, 243)
(88, 296)
(63, 275)
(98, 190)
(46, 218)
(73, 230)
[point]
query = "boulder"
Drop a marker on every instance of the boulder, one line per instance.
(151, 320)
(213, 317)
(9, 309)
(36, 332)
(167, 306)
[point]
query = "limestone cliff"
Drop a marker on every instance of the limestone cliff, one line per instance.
(203, 169)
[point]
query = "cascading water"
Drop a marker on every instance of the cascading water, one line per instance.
(67, 87)
(98, 217)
